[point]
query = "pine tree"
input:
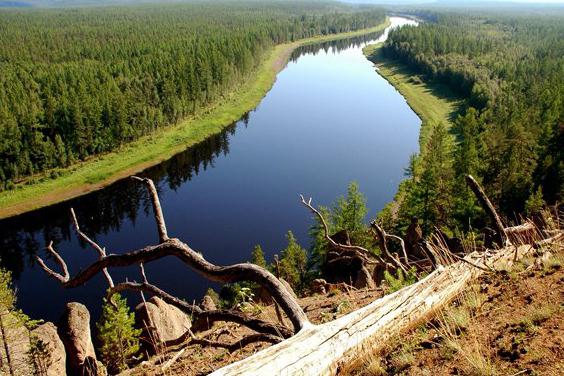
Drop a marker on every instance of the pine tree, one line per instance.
(534, 203)
(257, 256)
(430, 196)
(293, 262)
(117, 335)
(14, 330)
(348, 214)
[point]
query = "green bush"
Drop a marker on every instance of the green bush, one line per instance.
(119, 340)
(400, 280)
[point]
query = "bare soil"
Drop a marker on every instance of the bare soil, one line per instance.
(510, 323)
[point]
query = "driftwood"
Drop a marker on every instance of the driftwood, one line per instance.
(311, 350)
(174, 247)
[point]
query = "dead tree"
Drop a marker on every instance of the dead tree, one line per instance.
(382, 238)
(337, 346)
(487, 205)
(174, 247)
(341, 252)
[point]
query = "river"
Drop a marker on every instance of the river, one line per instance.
(328, 120)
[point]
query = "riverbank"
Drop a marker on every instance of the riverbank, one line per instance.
(433, 103)
(100, 171)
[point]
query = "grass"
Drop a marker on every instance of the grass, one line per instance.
(100, 171)
(433, 103)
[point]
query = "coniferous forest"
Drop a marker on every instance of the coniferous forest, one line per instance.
(83, 81)
(186, 269)
(509, 68)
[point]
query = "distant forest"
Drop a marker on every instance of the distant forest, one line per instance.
(83, 81)
(510, 133)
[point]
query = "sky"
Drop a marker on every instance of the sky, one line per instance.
(467, 1)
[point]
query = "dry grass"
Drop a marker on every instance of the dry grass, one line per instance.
(507, 322)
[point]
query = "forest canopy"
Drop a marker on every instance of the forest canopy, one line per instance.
(510, 132)
(82, 81)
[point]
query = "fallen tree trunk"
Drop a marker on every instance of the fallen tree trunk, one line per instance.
(332, 348)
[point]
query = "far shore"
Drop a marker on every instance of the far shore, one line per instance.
(98, 172)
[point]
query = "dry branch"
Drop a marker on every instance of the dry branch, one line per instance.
(354, 250)
(157, 210)
(180, 250)
(489, 208)
(333, 347)
(200, 315)
(381, 236)
(101, 251)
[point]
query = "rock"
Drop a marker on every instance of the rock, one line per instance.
(74, 330)
(160, 322)
(53, 358)
(16, 337)
(413, 240)
(208, 304)
(364, 279)
(319, 286)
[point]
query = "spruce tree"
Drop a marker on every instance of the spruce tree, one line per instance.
(293, 262)
(257, 256)
(119, 340)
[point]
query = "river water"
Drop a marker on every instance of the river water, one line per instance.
(328, 120)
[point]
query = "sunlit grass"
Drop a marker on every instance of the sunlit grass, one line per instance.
(433, 103)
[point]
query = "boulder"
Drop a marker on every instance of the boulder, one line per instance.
(160, 322)
(208, 304)
(364, 279)
(319, 286)
(74, 330)
(52, 358)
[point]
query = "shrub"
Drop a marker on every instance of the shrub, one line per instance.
(119, 340)
(400, 280)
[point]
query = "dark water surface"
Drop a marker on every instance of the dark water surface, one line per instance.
(328, 120)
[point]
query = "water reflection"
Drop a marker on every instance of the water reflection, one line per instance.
(104, 211)
(237, 188)
(334, 47)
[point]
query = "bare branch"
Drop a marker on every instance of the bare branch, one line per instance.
(237, 345)
(554, 239)
(158, 212)
(402, 245)
(180, 250)
(199, 314)
(63, 278)
(225, 274)
(489, 208)
(485, 268)
(143, 273)
(361, 252)
(381, 235)
(101, 251)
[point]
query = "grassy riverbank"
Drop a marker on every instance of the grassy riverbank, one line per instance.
(433, 103)
(103, 170)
